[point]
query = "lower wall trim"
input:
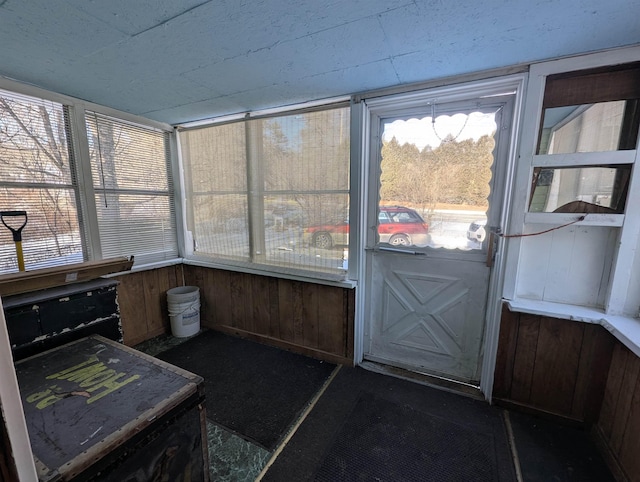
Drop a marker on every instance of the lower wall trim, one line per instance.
(607, 454)
(594, 433)
(532, 410)
(267, 340)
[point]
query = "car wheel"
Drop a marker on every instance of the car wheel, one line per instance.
(399, 240)
(322, 240)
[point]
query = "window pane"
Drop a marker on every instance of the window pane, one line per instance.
(314, 231)
(36, 177)
(51, 236)
(133, 190)
(307, 163)
(216, 159)
(136, 225)
(435, 182)
(254, 187)
(580, 189)
(583, 128)
(221, 226)
(126, 157)
(33, 141)
(216, 186)
(306, 152)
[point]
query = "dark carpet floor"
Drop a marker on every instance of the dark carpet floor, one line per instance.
(369, 426)
(552, 452)
(372, 427)
(383, 440)
(253, 390)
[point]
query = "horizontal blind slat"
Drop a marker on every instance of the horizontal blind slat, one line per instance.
(254, 186)
(133, 189)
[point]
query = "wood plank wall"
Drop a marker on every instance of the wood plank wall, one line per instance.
(307, 318)
(574, 371)
(617, 431)
(143, 302)
(552, 366)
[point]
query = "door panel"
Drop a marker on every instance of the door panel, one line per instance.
(428, 320)
(426, 300)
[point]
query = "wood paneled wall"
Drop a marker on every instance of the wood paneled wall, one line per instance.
(574, 371)
(308, 318)
(617, 431)
(554, 366)
(143, 302)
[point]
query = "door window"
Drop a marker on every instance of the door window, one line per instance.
(437, 169)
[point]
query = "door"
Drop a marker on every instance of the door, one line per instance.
(436, 171)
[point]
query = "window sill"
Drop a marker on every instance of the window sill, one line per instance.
(345, 283)
(147, 267)
(590, 219)
(624, 328)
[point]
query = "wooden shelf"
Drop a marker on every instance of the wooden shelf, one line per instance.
(26, 281)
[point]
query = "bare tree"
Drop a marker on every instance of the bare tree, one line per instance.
(34, 152)
(455, 172)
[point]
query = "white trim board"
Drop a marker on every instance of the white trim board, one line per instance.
(11, 409)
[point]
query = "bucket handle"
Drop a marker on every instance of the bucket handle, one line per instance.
(193, 305)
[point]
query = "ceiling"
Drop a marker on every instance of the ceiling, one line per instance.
(178, 61)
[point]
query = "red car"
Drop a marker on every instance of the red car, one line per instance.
(397, 225)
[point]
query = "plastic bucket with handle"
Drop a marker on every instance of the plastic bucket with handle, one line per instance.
(184, 310)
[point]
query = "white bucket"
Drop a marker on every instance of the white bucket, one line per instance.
(184, 310)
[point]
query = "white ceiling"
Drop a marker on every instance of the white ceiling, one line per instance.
(184, 60)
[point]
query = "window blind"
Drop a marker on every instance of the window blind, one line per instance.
(133, 189)
(258, 189)
(37, 176)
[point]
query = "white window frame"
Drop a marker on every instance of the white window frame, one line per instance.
(11, 409)
(86, 198)
(614, 317)
(301, 274)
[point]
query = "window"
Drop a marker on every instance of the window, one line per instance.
(126, 210)
(588, 117)
(442, 167)
(589, 189)
(36, 176)
(591, 110)
(587, 141)
(258, 189)
(588, 128)
(133, 189)
(578, 239)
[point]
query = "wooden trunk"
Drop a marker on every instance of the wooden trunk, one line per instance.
(44, 319)
(97, 410)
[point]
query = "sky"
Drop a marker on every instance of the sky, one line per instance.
(422, 132)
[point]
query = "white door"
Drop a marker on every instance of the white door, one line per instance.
(426, 296)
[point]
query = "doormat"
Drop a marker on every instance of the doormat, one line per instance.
(253, 390)
(386, 441)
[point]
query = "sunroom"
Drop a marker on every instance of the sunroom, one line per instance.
(428, 192)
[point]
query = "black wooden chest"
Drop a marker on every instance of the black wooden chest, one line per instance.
(44, 319)
(98, 410)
